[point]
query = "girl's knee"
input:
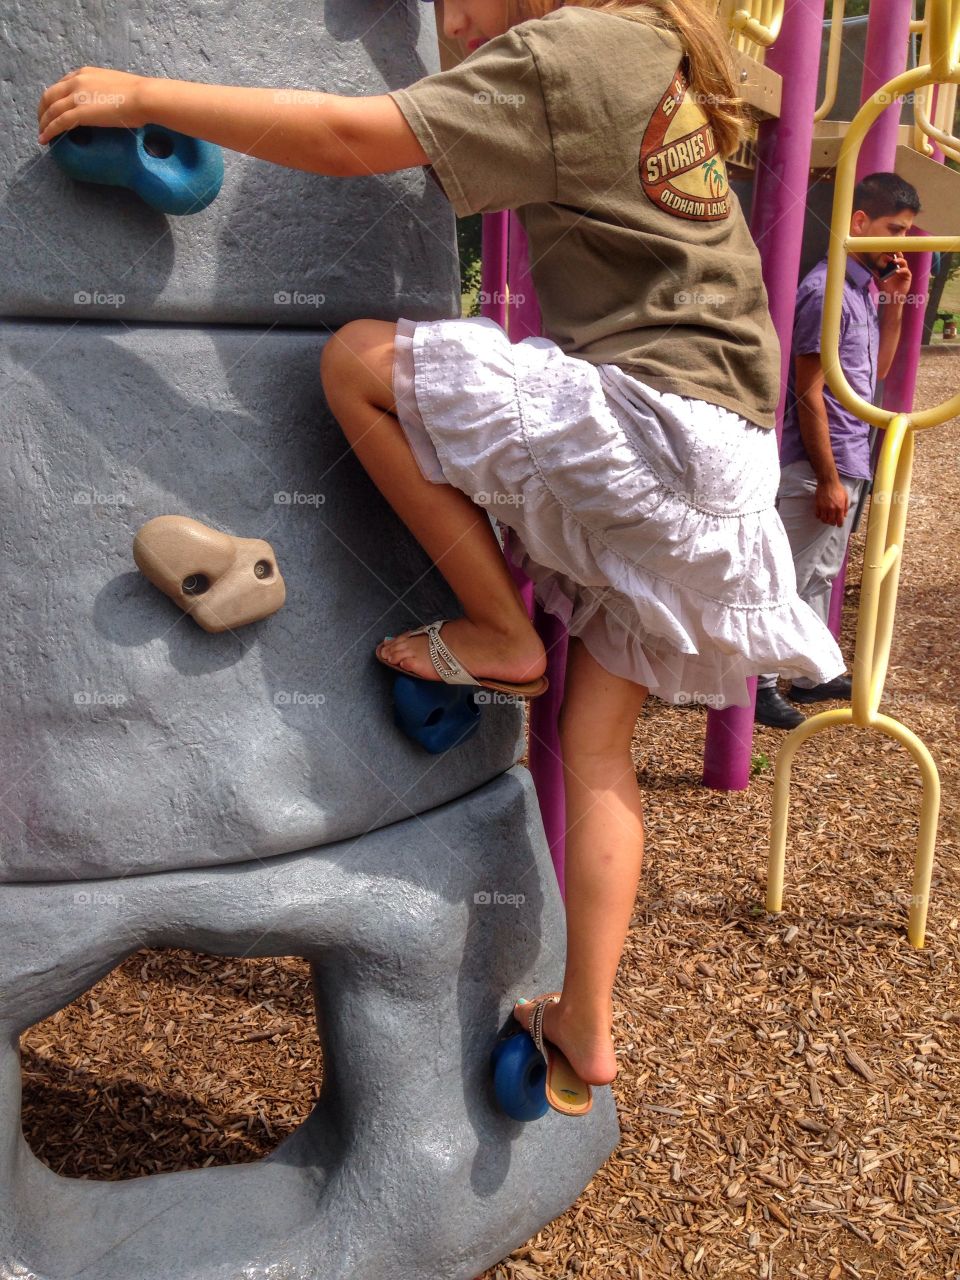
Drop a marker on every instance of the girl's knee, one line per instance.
(344, 346)
(361, 352)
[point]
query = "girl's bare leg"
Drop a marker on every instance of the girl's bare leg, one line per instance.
(604, 855)
(495, 638)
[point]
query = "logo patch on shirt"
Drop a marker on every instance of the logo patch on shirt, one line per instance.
(680, 167)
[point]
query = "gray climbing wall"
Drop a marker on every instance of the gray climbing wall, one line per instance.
(277, 246)
(144, 742)
(248, 792)
(405, 1168)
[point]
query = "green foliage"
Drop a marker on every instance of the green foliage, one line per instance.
(759, 763)
(469, 241)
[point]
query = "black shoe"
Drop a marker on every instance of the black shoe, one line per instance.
(839, 687)
(773, 709)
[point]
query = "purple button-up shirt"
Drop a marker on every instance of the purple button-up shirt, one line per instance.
(859, 347)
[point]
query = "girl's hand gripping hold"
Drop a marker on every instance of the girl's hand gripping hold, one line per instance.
(91, 96)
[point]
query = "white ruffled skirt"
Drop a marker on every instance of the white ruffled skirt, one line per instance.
(645, 520)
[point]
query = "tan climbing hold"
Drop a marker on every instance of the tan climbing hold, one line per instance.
(221, 581)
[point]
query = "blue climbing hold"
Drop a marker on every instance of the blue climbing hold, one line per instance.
(438, 716)
(519, 1077)
(172, 172)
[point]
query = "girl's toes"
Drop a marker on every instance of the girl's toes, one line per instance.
(522, 1014)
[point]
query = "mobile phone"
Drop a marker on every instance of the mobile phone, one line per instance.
(892, 266)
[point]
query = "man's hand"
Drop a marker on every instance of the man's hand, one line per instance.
(831, 502)
(92, 96)
(896, 286)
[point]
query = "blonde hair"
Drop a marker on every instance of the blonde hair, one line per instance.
(710, 71)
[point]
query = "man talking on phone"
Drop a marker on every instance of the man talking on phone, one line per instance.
(825, 449)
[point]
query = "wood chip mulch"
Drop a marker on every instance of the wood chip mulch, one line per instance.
(789, 1086)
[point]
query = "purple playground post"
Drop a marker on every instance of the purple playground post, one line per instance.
(545, 761)
(885, 56)
(493, 306)
(778, 210)
(505, 274)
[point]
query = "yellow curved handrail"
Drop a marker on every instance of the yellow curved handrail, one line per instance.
(891, 489)
(938, 46)
(759, 20)
(842, 243)
(924, 128)
(942, 19)
(832, 77)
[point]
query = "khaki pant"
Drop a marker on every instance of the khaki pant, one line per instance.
(818, 548)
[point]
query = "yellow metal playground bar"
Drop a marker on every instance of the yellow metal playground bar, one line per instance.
(891, 487)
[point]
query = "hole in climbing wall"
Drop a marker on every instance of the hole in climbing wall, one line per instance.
(157, 143)
(195, 584)
(173, 1061)
(81, 136)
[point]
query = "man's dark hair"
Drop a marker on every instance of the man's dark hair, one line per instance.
(881, 194)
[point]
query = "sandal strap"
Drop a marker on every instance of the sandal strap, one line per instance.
(445, 662)
(536, 1022)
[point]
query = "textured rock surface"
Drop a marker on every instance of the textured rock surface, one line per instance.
(277, 245)
(136, 741)
(405, 1170)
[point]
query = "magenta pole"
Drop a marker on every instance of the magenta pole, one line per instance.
(778, 210)
(545, 761)
(505, 273)
(885, 56)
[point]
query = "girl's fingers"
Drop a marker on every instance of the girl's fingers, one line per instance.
(52, 122)
(51, 94)
(57, 124)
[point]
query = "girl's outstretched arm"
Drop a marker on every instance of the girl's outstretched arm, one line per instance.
(319, 132)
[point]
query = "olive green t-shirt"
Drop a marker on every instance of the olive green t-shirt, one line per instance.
(583, 122)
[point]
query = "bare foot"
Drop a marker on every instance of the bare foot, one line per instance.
(588, 1048)
(493, 655)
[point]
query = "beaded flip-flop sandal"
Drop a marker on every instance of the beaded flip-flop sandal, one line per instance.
(451, 671)
(566, 1092)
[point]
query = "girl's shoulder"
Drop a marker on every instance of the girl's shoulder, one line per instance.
(573, 22)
